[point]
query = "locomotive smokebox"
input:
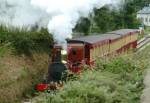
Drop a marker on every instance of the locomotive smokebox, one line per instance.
(56, 70)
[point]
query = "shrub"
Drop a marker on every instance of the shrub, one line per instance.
(25, 41)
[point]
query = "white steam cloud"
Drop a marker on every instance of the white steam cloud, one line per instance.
(59, 16)
(20, 13)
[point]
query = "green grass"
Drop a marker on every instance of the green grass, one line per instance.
(3, 50)
(147, 30)
(20, 74)
(113, 80)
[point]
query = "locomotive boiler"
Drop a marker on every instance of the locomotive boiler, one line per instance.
(56, 70)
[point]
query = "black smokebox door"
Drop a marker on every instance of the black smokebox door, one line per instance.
(56, 72)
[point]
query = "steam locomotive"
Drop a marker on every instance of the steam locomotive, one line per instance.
(85, 50)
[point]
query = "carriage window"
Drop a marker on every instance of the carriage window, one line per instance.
(74, 51)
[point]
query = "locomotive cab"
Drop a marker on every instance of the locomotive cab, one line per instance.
(75, 57)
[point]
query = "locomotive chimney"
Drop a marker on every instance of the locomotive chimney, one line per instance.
(56, 58)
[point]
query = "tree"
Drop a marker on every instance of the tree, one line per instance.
(106, 19)
(83, 26)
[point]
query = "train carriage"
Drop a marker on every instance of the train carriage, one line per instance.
(94, 46)
(134, 37)
(125, 35)
(114, 43)
(129, 38)
(98, 45)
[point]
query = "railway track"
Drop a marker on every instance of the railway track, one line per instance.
(143, 42)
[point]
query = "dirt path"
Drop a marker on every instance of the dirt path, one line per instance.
(145, 98)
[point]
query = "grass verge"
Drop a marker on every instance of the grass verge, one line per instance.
(23, 61)
(19, 75)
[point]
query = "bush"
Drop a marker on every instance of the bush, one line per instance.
(25, 41)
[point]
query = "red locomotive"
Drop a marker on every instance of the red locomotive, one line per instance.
(86, 50)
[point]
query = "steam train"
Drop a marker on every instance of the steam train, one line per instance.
(85, 50)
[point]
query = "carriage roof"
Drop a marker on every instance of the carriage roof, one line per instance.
(123, 31)
(92, 39)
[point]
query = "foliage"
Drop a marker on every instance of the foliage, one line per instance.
(19, 73)
(83, 26)
(25, 41)
(107, 18)
(147, 30)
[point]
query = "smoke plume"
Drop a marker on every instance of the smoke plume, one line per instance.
(59, 16)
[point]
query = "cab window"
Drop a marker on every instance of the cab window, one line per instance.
(74, 51)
